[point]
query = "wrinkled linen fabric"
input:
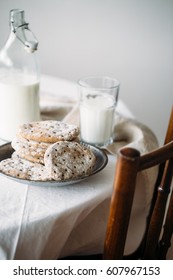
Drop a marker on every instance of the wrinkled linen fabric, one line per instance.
(53, 222)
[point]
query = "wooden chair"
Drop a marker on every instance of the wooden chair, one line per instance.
(154, 245)
(129, 164)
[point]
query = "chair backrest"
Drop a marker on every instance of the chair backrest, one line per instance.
(159, 223)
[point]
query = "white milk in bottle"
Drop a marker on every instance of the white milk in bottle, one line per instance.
(19, 103)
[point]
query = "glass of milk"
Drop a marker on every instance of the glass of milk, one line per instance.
(98, 99)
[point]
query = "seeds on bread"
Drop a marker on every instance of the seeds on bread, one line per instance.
(66, 160)
(24, 169)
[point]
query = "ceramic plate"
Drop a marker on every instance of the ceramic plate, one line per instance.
(101, 161)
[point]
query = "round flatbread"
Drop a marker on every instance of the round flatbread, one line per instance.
(67, 160)
(20, 142)
(49, 131)
(28, 156)
(23, 169)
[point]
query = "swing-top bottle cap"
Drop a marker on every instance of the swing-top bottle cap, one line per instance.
(17, 20)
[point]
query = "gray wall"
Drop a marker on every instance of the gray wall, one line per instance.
(131, 40)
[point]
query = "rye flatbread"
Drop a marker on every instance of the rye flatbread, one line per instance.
(20, 142)
(23, 169)
(49, 131)
(67, 160)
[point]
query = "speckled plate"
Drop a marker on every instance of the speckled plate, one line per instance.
(101, 161)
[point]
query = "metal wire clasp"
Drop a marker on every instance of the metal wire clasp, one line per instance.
(32, 44)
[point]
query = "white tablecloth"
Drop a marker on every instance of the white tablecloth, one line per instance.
(52, 222)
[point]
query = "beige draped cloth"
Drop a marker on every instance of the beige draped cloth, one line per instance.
(52, 222)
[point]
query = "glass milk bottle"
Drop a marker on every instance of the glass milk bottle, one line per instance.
(19, 77)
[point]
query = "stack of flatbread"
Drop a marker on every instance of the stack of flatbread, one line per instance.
(48, 150)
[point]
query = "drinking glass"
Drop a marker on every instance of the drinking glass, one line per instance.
(98, 98)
